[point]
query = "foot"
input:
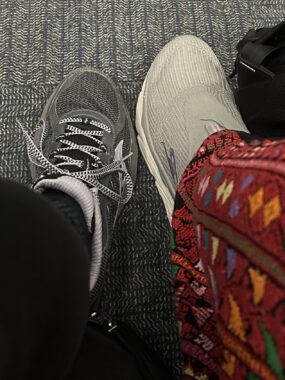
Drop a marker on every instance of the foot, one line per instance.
(85, 146)
(184, 99)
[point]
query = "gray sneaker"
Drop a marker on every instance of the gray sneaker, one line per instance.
(85, 146)
(184, 99)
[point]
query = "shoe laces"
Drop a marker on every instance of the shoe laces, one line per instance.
(91, 170)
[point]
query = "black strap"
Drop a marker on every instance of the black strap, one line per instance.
(275, 31)
(263, 35)
(256, 53)
(257, 45)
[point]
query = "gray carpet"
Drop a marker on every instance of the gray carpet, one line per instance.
(43, 40)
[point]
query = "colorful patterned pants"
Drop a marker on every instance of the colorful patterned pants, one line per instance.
(229, 259)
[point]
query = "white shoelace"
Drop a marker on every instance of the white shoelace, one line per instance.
(90, 176)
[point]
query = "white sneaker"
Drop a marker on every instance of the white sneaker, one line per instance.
(184, 99)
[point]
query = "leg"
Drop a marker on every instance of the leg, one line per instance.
(83, 158)
(229, 259)
(44, 274)
(228, 234)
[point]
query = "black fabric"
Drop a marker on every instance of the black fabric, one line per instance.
(261, 55)
(72, 212)
(260, 66)
(44, 290)
(118, 354)
(44, 280)
(262, 106)
(257, 45)
(105, 356)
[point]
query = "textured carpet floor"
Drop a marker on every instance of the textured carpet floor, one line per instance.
(41, 41)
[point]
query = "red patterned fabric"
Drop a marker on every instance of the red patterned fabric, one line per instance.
(229, 260)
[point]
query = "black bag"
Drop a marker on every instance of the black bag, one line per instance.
(260, 66)
(114, 351)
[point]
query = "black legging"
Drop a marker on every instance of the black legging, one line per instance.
(44, 295)
(44, 277)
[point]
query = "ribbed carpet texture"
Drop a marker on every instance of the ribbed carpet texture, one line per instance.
(41, 42)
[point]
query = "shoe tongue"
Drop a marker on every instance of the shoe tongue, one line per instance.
(83, 140)
(111, 180)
